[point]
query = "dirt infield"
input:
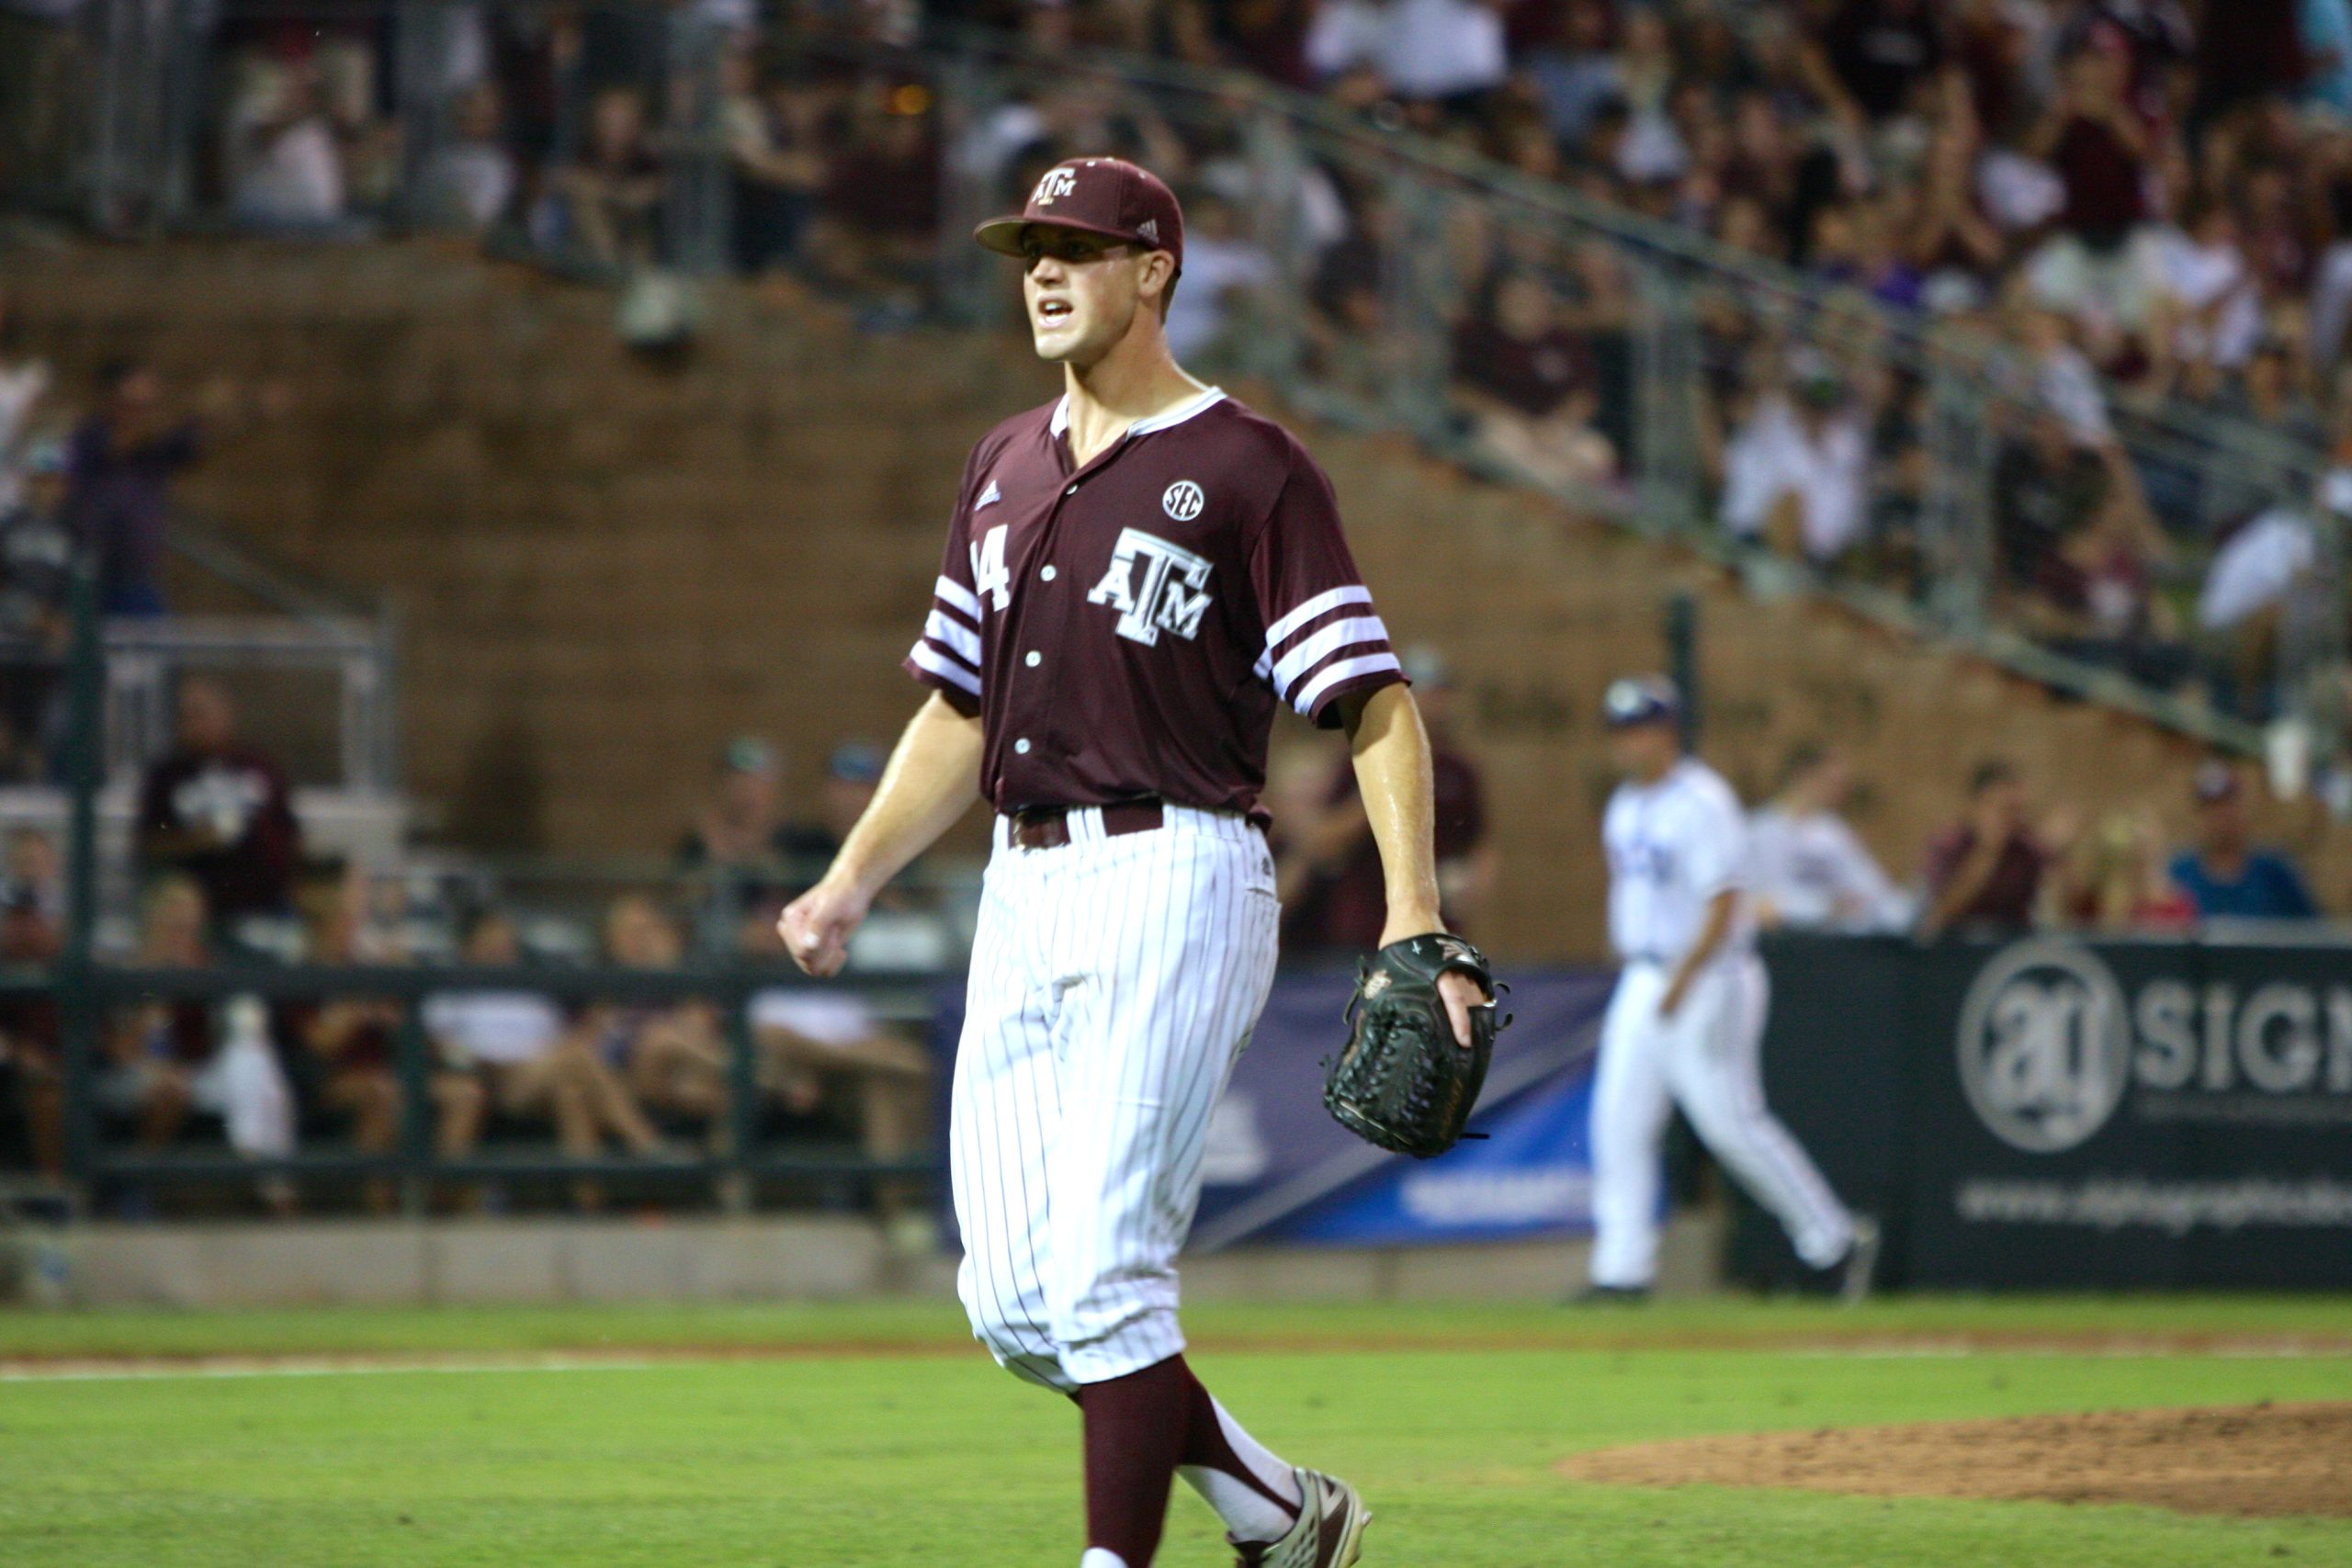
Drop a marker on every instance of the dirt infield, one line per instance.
(2257, 1460)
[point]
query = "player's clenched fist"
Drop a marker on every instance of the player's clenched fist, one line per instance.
(817, 926)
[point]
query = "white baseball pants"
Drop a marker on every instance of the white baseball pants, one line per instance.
(1115, 981)
(1705, 1060)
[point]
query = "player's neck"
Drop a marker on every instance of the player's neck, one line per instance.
(1135, 380)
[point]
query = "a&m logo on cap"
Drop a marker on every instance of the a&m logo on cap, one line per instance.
(1057, 183)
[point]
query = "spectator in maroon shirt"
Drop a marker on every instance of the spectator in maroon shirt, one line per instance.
(343, 1049)
(1329, 877)
(2100, 148)
(1268, 37)
(1526, 383)
(610, 198)
(1985, 871)
(880, 223)
(219, 812)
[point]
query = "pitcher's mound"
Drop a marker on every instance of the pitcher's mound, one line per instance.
(2258, 1458)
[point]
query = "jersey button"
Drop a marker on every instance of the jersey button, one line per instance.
(1045, 574)
(1033, 658)
(1072, 490)
(1021, 747)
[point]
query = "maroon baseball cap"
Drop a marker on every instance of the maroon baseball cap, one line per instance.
(1109, 197)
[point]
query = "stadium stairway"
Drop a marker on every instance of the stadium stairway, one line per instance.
(605, 565)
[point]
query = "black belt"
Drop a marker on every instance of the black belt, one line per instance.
(1047, 827)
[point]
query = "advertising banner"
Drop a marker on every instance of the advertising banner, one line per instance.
(1274, 1153)
(1277, 1165)
(2052, 1113)
(1532, 1176)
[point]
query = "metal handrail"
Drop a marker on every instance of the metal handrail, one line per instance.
(211, 545)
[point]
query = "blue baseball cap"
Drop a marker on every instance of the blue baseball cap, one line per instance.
(1640, 699)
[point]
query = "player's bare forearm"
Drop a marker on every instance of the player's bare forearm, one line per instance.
(1713, 931)
(1391, 750)
(1392, 760)
(933, 779)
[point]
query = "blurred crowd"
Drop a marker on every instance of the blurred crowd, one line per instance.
(2141, 208)
(2009, 863)
(225, 877)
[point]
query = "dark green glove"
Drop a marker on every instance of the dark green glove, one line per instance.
(1404, 1082)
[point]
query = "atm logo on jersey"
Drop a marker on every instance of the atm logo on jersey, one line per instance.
(1155, 586)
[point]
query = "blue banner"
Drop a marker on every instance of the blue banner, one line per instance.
(1531, 1177)
(1277, 1166)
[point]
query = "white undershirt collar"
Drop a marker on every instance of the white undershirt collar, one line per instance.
(1207, 398)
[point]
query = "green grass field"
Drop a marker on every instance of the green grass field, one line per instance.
(873, 1437)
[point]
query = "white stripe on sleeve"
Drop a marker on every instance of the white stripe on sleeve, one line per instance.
(1322, 604)
(1345, 670)
(957, 597)
(1329, 641)
(954, 635)
(929, 657)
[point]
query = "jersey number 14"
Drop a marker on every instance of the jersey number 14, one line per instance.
(990, 580)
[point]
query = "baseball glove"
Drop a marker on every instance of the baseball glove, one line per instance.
(1402, 1081)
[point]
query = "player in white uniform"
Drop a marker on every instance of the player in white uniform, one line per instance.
(1808, 870)
(1684, 1023)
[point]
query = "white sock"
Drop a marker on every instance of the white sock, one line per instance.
(1247, 1513)
(1096, 1557)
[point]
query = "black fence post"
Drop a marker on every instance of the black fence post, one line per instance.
(78, 1014)
(742, 1099)
(413, 1048)
(1682, 659)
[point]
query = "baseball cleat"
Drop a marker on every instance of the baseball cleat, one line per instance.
(1611, 1295)
(1857, 1272)
(1329, 1534)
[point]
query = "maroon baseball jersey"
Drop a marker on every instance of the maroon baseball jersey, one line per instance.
(1125, 629)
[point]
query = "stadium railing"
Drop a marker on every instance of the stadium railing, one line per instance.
(735, 1154)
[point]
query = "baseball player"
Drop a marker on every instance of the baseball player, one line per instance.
(1807, 869)
(1135, 574)
(1683, 1024)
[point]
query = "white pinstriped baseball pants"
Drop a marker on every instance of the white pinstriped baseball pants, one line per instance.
(1703, 1059)
(1115, 981)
